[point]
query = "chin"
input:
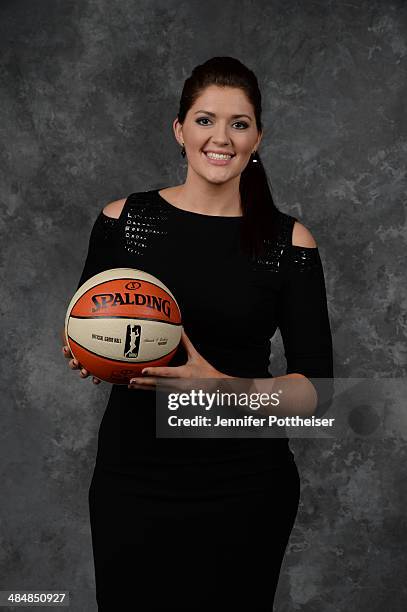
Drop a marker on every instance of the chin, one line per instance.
(217, 178)
(217, 181)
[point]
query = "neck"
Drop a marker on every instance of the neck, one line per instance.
(200, 196)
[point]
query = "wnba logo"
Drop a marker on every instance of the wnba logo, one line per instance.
(132, 346)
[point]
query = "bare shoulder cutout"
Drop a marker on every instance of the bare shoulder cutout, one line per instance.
(114, 209)
(302, 236)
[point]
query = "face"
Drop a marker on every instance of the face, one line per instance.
(221, 121)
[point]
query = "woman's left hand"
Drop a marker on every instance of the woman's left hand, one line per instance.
(195, 367)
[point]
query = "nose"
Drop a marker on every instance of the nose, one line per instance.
(220, 137)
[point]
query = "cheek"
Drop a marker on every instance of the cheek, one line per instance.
(247, 145)
(195, 141)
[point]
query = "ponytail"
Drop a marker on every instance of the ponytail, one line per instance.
(260, 214)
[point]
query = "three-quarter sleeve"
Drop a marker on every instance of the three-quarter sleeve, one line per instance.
(101, 250)
(303, 321)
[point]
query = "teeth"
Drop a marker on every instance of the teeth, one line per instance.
(218, 155)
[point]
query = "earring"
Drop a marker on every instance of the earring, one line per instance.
(183, 153)
(254, 158)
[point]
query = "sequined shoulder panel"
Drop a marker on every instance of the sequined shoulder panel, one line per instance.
(143, 220)
(303, 259)
(280, 253)
(106, 226)
(273, 256)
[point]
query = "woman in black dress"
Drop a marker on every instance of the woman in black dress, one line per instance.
(203, 524)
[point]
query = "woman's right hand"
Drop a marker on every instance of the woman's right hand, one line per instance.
(75, 365)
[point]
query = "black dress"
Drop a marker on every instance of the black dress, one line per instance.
(202, 524)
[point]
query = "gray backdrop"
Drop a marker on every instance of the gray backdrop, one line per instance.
(88, 93)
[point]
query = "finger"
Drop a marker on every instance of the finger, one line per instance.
(84, 373)
(141, 383)
(74, 364)
(169, 371)
(164, 383)
(67, 353)
(152, 382)
(147, 381)
(191, 350)
(96, 381)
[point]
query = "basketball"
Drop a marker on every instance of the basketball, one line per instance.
(121, 321)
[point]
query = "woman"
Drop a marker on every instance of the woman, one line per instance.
(203, 524)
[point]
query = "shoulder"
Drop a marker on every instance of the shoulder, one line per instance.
(302, 236)
(140, 201)
(114, 209)
(294, 233)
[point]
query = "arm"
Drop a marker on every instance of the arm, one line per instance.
(305, 331)
(304, 324)
(100, 257)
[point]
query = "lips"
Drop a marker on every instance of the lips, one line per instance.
(219, 152)
(217, 162)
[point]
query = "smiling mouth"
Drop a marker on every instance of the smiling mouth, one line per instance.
(213, 155)
(218, 158)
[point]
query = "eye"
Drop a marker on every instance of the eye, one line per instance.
(202, 119)
(241, 123)
(245, 125)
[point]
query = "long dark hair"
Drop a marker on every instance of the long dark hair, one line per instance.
(260, 214)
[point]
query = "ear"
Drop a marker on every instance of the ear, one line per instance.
(177, 127)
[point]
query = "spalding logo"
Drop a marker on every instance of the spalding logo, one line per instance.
(133, 285)
(108, 300)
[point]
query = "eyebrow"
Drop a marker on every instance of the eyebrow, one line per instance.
(214, 115)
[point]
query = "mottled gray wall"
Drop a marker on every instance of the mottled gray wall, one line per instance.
(88, 93)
